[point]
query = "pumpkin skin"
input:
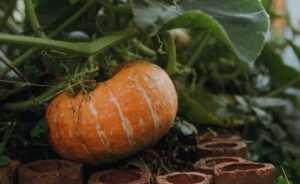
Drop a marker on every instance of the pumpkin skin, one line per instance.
(121, 116)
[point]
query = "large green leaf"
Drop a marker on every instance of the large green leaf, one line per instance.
(242, 25)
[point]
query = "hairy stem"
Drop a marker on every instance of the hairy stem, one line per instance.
(48, 95)
(33, 19)
(80, 48)
(144, 49)
(19, 61)
(72, 19)
(34, 101)
(7, 14)
(171, 51)
(7, 63)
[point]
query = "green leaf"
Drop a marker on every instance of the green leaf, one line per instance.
(185, 127)
(267, 4)
(197, 112)
(4, 160)
(295, 165)
(291, 148)
(40, 128)
(242, 25)
(263, 116)
(278, 132)
(280, 73)
(266, 102)
(283, 180)
(295, 48)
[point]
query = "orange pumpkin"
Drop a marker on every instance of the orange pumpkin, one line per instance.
(121, 116)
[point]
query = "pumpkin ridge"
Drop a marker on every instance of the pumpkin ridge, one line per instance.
(58, 135)
(52, 128)
(157, 93)
(101, 133)
(85, 123)
(77, 128)
(154, 115)
(131, 101)
(73, 136)
(113, 125)
(172, 100)
(64, 122)
(124, 121)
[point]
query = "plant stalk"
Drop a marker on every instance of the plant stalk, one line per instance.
(35, 101)
(171, 51)
(144, 49)
(80, 48)
(33, 19)
(24, 57)
(284, 87)
(7, 14)
(199, 50)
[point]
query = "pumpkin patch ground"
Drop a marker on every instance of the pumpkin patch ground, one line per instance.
(148, 91)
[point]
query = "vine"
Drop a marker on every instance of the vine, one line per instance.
(7, 14)
(80, 48)
(171, 52)
(33, 51)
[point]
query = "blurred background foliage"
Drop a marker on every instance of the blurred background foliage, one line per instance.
(217, 91)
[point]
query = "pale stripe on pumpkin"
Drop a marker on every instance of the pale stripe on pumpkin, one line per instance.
(149, 103)
(142, 124)
(124, 121)
(85, 148)
(101, 133)
(167, 92)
